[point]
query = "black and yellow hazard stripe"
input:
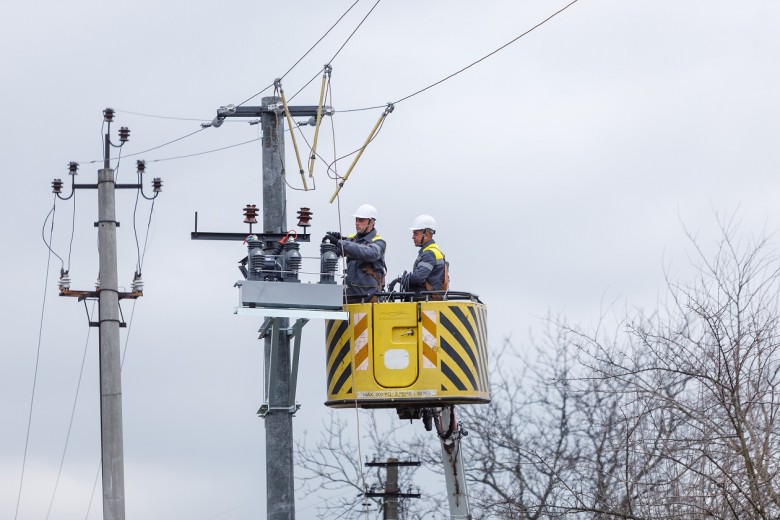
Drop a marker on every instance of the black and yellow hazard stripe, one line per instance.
(339, 361)
(463, 349)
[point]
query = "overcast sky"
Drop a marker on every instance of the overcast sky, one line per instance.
(562, 170)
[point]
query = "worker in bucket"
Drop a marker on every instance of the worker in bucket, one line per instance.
(365, 254)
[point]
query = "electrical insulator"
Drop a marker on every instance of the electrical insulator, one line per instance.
(124, 134)
(291, 261)
(138, 282)
(108, 115)
(56, 186)
(328, 262)
(97, 284)
(250, 214)
(140, 166)
(73, 168)
(157, 185)
(64, 283)
(304, 217)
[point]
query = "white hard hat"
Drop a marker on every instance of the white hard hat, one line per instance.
(424, 222)
(365, 211)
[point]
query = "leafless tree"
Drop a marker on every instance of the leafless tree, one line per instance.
(703, 373)
(333, 468)
(673, 414)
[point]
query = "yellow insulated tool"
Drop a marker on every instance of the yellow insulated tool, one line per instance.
(313, 157)
(390, 107)
(278, 86)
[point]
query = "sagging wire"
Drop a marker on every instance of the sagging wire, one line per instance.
(153, 148)
(72, 231)
(304, 55)
(72, 414)
(158, 117)
(203, 153)
(340, 48)
(37, 354)
(389, 109)
(51, 213)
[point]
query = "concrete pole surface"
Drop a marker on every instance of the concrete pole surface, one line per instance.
(391, 486)
(280, 482)
(110, 365)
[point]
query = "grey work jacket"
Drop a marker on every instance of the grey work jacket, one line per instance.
(363, 251)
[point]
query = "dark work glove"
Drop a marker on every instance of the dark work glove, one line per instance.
(334, 239)
(334, 234)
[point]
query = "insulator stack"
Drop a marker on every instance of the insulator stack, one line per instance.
(250, 214)
(124, 134)
(64, 283)
(73, 168)
(108, 115)
(292, 261)
(157, 185)
(138, 283)
(140, 166)
(328, 262)
(304, 218)
(56, 186)
(257, 262)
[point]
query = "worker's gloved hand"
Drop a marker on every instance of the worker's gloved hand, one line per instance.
(393, 283)
(333, 236)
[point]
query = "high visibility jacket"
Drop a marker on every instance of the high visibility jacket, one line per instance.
(428, 273)
(365, 263)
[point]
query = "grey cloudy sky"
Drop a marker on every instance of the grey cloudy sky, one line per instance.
(562, 172)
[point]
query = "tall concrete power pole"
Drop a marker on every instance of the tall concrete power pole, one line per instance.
(271, 292)
(109, 319)
(280, 484)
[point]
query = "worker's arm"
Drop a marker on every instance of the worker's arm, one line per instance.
(367, 252)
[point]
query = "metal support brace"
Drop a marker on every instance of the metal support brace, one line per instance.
(296, 332)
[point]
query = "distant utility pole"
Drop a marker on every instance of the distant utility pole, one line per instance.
(109, 322)
(391, 494)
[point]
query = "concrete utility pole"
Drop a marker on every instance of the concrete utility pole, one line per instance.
(273, 290)
(110, 366)
(109, 319)
(391, 494)
(280, 482)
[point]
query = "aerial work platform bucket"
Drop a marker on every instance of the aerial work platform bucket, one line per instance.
(409, 354)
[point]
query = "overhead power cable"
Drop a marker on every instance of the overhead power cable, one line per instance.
(118, 110)
(483, 58)
(339, 50)
(72, 415)
(37, 354)
(507, 44)
(304, 55)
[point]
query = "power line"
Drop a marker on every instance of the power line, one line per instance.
(37, 357)
(340, 48)
(304, 55)
(72, 414)
(204, 153)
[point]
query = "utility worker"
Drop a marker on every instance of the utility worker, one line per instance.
(365, 254)
(431, 270)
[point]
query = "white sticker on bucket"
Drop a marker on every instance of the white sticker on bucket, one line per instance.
(396, 359)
